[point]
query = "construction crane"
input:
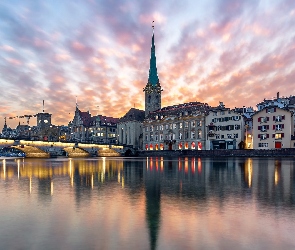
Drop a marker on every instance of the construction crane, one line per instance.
(28, 117)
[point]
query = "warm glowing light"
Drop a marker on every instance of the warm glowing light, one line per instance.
(199, 165)
(186, 165)
(51, 187)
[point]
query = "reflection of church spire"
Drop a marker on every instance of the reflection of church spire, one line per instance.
(153, 210)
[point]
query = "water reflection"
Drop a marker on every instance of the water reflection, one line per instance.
(199, 185)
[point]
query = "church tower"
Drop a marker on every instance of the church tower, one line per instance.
(153, 88)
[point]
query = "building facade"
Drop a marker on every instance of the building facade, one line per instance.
(273, 128)
(97, 129)
(177, 127)
(130, 128)
(224, 129)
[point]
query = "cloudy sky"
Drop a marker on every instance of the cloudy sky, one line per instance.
(235, 51)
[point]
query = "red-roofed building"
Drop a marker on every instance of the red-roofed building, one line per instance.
(98, 129)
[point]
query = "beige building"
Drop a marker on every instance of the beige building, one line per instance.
(272, 128)
(224, 129)
(177, 127)
(130, 128)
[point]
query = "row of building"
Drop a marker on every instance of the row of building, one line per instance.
(193, 125)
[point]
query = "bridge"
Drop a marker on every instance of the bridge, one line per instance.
(46, 149)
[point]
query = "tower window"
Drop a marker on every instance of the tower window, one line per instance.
(149, 99)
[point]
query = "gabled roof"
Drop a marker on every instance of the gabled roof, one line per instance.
(133, 115)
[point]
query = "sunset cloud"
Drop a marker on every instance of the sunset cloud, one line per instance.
(238, 52)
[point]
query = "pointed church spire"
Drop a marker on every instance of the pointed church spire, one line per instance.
(153, 88)
(153, 73)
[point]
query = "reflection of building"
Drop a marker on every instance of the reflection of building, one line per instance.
(272, 128)
(153, 205)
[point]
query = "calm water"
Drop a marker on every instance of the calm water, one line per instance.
(147, 203)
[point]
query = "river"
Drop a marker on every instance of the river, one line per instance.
(147, 203)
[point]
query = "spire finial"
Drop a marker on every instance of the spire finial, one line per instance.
(76, 102)
(153, 26)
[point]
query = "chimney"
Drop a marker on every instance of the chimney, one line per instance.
(278, 95)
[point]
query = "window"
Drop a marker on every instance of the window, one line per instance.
(156, 137)
(236, 135)
(151, 138)
(237, 126)
(180, 135)
(199, 123)
(263, 145)
(278, 127)
(162, 127)
(146, 129)
(146, 137)
(222, 136)
(229, 136)
(151, 128)
(186, 124)
(193, 123)
(279, 135)
(167, 126)
(278, 118)
(263, 136)
(186, 135)
(263, 128)
(174, 125)
(199, 134)
(161, 137)
(193, 135)
(180, 125)
(217, 136)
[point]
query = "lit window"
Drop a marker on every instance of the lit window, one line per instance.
(193, 146)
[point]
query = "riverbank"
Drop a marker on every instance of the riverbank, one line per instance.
(287, 152)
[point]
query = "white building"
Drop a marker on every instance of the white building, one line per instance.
(224, 129)
(272, 128)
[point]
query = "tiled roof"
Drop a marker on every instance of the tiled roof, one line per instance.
(190, 107)
(133, 115)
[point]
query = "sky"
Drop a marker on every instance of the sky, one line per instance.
(96, 53)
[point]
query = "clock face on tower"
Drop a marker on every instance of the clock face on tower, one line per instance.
(45, 121)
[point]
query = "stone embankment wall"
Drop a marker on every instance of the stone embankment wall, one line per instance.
(287, 152)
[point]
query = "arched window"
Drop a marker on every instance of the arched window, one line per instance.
(193, 146)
